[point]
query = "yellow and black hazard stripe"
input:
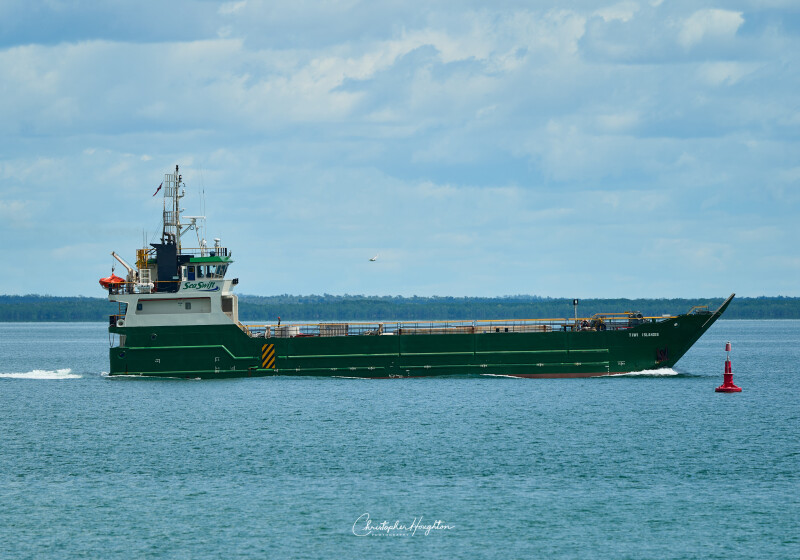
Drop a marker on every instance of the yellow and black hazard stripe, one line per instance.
(268, 356)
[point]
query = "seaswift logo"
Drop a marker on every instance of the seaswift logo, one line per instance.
(364, 526)
(201, 286)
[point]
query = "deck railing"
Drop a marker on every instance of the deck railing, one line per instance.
(162, 286)
(205, 251)
(137, 288)
(609, 321)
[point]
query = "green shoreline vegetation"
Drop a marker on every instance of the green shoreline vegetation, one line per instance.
(326, 307)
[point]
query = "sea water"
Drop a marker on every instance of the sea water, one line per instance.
(632, 466)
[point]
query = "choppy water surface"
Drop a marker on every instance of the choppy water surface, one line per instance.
(637, 466)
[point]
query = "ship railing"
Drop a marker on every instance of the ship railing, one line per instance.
(616, 321)
(608, 321)
(205, 251)
(161, 286)
(699, 310)
(121, 288)
(147, 256)
(401, 328)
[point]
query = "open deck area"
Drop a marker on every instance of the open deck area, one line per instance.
(602, 321)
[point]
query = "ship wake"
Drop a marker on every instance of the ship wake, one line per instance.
(662, 372)
(43, 374)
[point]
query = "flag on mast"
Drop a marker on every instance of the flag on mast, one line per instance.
(158, 189)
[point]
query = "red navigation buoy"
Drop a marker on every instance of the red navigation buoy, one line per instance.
(727, 383)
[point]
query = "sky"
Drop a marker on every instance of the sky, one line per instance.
(561, 149)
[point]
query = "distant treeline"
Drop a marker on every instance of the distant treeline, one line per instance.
(387, 308)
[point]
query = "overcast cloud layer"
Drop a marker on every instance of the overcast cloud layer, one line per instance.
(636, 149)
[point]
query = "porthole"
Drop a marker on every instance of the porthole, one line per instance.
(122, 354)
(153, 336)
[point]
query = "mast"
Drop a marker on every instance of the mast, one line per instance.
(172, 212)
(168, 252)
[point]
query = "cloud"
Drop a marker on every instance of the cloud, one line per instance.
(453, 137)
(16, 212)
(76, 252)
(624, 11)
(229, 8)
(724, 73)
(711, 24)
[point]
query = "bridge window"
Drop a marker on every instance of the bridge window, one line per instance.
(211, 271)
(217, 271)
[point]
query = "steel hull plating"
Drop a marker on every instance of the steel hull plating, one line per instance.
(224, 351)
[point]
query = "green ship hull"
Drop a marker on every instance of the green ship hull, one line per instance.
(227, 351)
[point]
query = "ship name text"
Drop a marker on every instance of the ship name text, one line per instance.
(203, 286)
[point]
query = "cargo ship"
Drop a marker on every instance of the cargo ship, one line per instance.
(178, 317)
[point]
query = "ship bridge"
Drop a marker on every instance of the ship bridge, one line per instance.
(214, 266)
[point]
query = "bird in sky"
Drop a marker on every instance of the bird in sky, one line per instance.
(373, 259)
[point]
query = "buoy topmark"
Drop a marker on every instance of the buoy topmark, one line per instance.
(727, 383)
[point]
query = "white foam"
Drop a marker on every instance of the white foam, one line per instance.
(499, 375)
(662, 372)
(43, 374)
